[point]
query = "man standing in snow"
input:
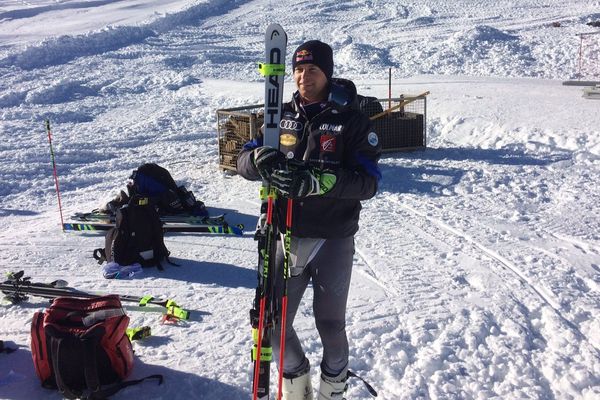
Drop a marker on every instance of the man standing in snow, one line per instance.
(327, 162)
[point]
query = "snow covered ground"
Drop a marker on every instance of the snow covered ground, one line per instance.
(477, 272)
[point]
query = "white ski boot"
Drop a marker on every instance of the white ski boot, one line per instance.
(298, 388)
(333, 387)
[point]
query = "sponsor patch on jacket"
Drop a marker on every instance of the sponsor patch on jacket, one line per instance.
(331, 127)
(287, 139)
(373, 139)
(328, 143)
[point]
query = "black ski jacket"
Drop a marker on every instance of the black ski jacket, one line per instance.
(338, 139)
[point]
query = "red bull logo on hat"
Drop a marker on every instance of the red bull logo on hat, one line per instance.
(304, 55)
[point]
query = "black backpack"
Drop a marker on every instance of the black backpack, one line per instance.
(155, 182)
(137, 237)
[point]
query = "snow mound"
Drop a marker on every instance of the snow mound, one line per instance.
(361, 58)
(484, 33)
(12, 98)
(60, 92)
(62, 49)
(483, 50)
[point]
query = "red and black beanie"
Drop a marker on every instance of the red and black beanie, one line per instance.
(317, 53)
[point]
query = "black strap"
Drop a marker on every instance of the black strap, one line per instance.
(369, 387)
(100, 255)
(55, 350)
(112, 389)
(90, 364)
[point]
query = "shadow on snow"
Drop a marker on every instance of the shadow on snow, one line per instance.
(19, 382)
(401, 174)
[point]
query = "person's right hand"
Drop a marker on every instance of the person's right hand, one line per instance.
(266, 159)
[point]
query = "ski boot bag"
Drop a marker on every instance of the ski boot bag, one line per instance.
(80, 346)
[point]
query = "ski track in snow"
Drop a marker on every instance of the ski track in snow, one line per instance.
(515, 289)
(477, 266)
(541, 291)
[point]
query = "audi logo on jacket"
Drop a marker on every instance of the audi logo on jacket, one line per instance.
(337, 139)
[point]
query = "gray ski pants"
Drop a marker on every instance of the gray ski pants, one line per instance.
(330, 271)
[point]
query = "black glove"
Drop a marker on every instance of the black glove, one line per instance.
(302, 182)
(266, 159)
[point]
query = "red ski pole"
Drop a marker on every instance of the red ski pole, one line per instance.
(62, 223)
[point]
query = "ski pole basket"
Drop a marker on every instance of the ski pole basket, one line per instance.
(236, 126)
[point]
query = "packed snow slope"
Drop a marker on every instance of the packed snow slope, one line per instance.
(477, 268)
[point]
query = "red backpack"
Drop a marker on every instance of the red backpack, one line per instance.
(80, 347)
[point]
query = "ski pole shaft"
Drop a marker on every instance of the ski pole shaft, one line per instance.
(49, 132)
(264, 294)
(284, 299)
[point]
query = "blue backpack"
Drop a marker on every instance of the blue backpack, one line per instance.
(155, 182)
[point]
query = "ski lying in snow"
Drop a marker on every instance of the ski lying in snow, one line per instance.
(175, 218)
(98, 221)
(224, 229)
(15, 295)
(17, 288)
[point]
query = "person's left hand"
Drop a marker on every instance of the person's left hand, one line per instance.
(302, 182)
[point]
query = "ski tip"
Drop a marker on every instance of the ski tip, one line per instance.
(237, 230)
(274, 30)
